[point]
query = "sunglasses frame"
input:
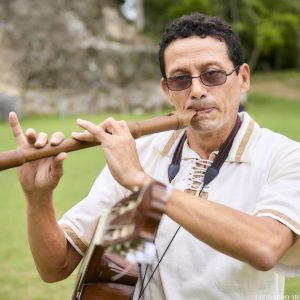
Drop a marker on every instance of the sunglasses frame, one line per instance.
(200, 77)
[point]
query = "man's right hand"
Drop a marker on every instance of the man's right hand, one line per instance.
(38, 178)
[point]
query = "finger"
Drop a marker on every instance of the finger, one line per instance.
(57, 166)
(16, 129)
(30, 135)
(116, 127)
(108, 125)
(124, 126)
(57, 138)
(112, 126)
(83, 136)
(41, 140)
(95, 130)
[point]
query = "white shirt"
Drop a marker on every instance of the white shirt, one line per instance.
(261, 176)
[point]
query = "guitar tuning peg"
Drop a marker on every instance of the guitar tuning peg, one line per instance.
(140, 257)
(149, 248)
(150, 252)
(131, 258)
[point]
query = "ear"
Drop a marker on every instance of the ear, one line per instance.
(165, 89)
(245, 77)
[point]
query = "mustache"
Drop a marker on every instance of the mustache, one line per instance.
(201, 105)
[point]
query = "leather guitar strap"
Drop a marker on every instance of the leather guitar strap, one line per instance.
(215, 167)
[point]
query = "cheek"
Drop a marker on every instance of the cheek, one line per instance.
(228, 107)
(230, 100)
(178, 99)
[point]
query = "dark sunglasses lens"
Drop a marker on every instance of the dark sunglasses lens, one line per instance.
(178, 83)
(213, 77)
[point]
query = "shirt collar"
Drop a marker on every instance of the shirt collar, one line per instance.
(238, 152)
(245, 136)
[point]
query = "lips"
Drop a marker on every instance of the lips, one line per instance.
(201, 106)
(203, 109)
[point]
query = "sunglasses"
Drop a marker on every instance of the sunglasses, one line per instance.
(209, 78)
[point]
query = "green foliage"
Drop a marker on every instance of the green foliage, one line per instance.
(267, 28)
(188, 6)
(270, 30)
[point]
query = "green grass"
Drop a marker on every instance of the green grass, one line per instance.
(286, 76)
(18, 277)
(277, 114)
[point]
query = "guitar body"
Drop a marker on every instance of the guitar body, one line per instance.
(105, 272)
(106, 291)
(95, 281)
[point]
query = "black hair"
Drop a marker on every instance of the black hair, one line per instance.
(197, 24)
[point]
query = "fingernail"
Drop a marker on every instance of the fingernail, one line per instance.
(54, 141)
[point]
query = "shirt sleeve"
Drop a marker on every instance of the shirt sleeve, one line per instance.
(80, 221)
(280, 199)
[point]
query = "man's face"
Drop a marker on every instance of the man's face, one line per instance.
(216, 106)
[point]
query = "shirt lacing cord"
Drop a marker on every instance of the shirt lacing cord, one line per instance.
(196, 179)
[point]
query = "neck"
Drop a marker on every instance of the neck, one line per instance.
(204, 143)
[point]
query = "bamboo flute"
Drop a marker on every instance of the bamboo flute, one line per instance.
(15, 158)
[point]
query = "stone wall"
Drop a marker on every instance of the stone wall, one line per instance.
(75, 56)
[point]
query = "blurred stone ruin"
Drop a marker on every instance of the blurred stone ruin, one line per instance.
(73, 56)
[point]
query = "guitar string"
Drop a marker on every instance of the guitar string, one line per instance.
(157, 265)
(140, 271)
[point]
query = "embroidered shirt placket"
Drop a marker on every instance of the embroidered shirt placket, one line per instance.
(196, 179)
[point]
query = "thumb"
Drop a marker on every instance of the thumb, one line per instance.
(16, 129)
(57, 166)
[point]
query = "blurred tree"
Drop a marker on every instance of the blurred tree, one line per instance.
(296, 4)
(269, 30)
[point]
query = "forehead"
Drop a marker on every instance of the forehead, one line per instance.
(196, 52)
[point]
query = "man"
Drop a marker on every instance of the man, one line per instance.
(229, 235)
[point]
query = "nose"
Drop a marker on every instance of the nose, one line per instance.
(197, 90)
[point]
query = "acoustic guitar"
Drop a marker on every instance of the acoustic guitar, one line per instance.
(122, 232)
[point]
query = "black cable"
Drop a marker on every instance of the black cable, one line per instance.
(157, 265)
(143, 289)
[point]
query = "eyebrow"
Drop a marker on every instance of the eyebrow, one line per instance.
(179, 70)
(202, 68)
